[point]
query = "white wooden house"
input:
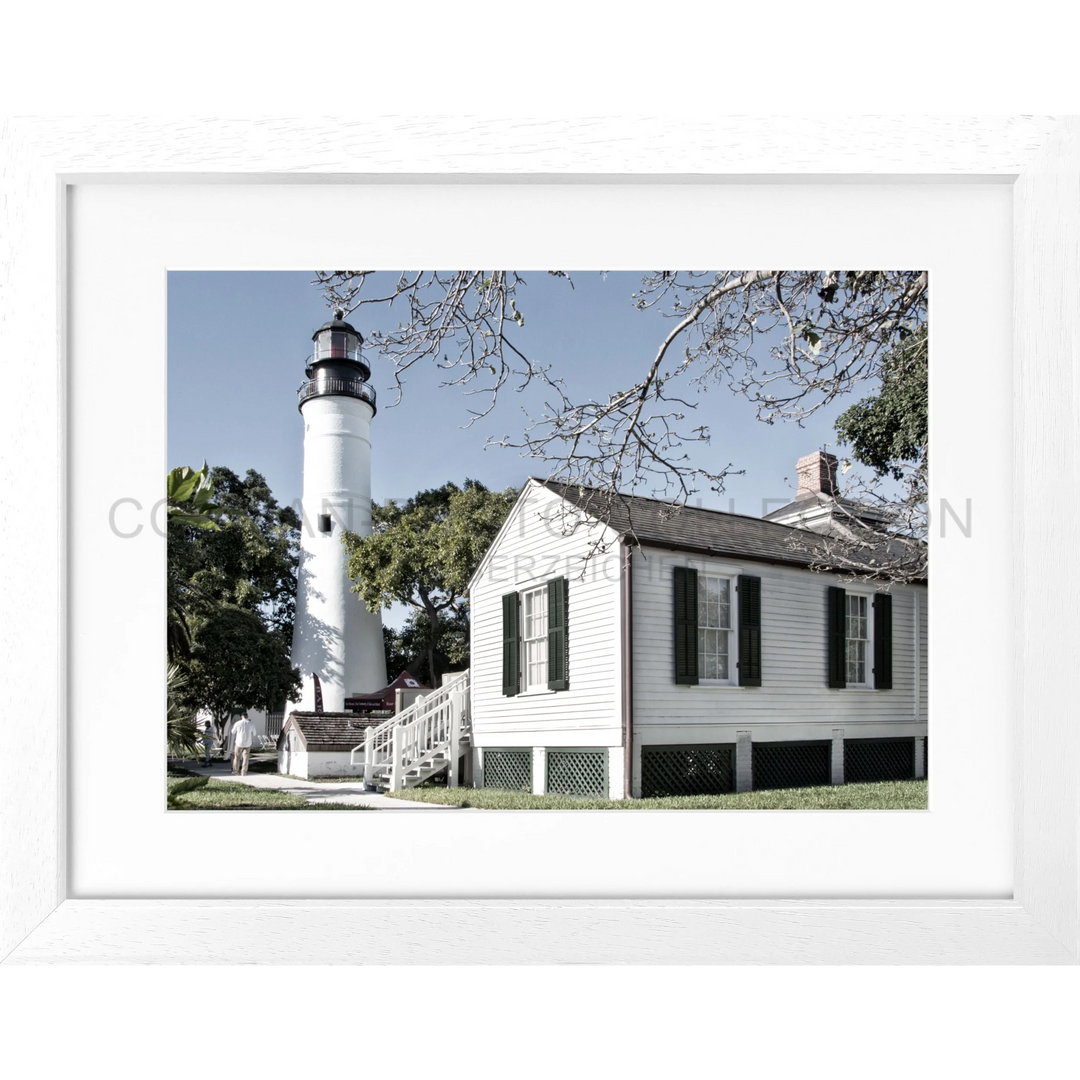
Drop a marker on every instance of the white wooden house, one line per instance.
(694, 652)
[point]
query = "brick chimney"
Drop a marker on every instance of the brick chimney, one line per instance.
(817, 474)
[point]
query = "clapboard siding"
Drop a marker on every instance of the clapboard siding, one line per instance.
(793, 656)
(530, 550)
(792, 702)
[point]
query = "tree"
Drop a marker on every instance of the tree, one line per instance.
(237, 663)
(248, 560)
(234, 583)
(791, 342)
(189, 496)
(423, 553)
(448, 638)
(889, 431)
(397, 658)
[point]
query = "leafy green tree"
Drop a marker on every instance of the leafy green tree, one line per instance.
(397, 658)
(889, 430)
(237, 663)
(190, 496)
(449, 639)
(233, 582)
(190, 504)
(423, 553)
(249, 560)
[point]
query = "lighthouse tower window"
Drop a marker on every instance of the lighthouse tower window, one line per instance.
(324, 523)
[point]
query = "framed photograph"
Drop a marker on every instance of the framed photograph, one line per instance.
(102, 225)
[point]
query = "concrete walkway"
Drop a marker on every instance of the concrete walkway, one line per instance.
(350, 792)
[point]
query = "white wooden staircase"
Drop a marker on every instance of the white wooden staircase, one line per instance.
(427, 738)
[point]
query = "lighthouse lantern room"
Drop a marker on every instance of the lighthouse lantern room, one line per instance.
(335, 636)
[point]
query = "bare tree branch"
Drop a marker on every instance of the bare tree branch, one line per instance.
(791, 342)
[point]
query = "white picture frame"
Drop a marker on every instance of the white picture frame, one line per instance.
(1038, 157)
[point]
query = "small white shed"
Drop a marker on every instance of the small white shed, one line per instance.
(320, 743)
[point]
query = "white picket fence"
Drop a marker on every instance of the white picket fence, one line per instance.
(419, 741)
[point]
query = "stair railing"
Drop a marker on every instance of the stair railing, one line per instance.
(434, 723)
(436, 729)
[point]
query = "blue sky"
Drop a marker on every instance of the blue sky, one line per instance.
(237, 342)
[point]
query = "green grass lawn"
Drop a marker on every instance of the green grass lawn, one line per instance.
(202, 793)
(889, 795)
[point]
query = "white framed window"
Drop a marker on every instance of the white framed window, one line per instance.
(859, 631)
(534, 639)
(716, 619)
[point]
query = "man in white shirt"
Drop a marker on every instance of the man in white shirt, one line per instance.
(243, 736)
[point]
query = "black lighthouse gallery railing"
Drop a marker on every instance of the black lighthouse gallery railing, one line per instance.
(335, 385)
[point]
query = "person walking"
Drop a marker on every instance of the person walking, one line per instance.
(243, 736)
(208, 740)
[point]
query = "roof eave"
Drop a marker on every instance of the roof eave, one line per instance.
(721, 553)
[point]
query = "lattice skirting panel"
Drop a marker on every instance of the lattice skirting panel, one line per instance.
(577, 772)
(687, 770)
(508, 770)
(791, 764)
(869, 760)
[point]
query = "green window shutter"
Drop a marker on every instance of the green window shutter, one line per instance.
(883, 641)
(749, 630)
(511, 644)
(686, 670)
(837, 638)
(558, 595)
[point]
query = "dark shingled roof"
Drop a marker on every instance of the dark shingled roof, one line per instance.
(659, 523)
(330, 731)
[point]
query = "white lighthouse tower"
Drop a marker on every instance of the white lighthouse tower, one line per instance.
(335, 636)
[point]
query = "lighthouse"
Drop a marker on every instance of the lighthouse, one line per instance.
(335, 636)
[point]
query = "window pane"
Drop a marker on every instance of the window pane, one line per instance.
(714, 602)
(534, 607)
(536, 662)
(713, 648)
